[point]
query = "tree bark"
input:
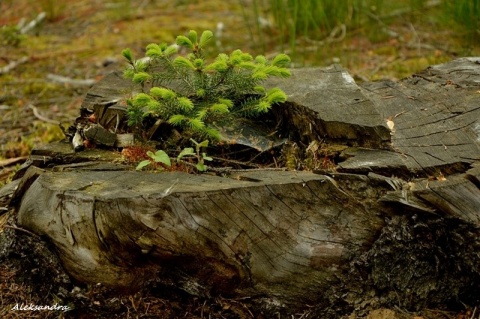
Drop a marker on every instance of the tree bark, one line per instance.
(398, 217)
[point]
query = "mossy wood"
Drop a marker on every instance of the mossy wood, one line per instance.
(399, 217)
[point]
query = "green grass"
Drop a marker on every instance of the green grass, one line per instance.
(296, 26)
(466, 14)
(314, 20)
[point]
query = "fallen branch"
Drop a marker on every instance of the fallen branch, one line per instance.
(13, 161)
(74, 82)
(40, 116)
(32, 24)
(12, 65)
(22, 230)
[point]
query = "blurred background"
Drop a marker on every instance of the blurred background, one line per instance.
(52, 52)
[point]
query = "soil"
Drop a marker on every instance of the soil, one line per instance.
(82, 40)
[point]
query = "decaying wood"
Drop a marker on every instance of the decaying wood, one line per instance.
(70, 81)
(398, 219)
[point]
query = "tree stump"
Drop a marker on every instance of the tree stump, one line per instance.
(395, 222)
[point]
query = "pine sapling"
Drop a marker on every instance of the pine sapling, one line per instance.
(199, 96)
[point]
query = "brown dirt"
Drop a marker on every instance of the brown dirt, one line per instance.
(83, 40)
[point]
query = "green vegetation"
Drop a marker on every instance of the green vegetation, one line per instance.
(163, 159)
(55, 10)
(465, 13)
(11, 36)
(302, 26)
(159, 156)
(196, 96)
(309, 19)
(382, 40)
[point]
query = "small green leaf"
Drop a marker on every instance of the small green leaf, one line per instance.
(142, 164)
(150, 154)
(184, 41)
(201, 167)
(187, 151)
(206, 158)
(206, 36)
(202, 144)
(161, 157)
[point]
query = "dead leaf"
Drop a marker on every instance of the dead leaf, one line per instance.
(441, 177)
(391, 125)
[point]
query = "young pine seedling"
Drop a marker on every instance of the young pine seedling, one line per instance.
(198, 96)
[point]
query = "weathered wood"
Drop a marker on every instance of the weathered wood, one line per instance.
(270, 236)
(438, 116)
(410, 163)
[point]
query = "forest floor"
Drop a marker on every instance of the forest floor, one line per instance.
(46, 72)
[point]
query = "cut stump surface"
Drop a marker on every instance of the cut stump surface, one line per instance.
(408, 177)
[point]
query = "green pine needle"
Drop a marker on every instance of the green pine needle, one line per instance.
(275, 96)
(184, 41)
(205, 38)
(162, 93)
(192, 35)
(196, 124)
(141, 99)
(177, 119)
(154, 51)
(181, 62)
(127, 54)
(207, 93)
(185, 104)
(281, 60)
(141, 77)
